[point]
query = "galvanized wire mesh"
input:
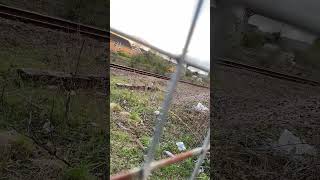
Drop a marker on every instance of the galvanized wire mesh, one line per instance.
(149, 164)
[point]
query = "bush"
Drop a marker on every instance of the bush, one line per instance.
(79, 173)
(253, 40)
(188, 73)
(87, 12)
(151, 62)
(311, 56)
(123, 54)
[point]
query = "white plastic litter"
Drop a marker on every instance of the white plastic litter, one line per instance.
(293, 144)
(168, 153)
(201, 170)
(157, 113)
(181, 146)
(201, 108)
(48, 127)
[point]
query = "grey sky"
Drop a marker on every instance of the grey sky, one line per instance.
(269, 25)
(165, 24)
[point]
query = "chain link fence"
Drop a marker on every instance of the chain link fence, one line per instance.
(149, 164)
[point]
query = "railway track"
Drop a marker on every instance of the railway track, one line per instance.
(53, 22)
(117, 66)
(103, 35)
(231, 63)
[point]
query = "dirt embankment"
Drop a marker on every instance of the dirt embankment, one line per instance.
(66, 124)
(250, 111)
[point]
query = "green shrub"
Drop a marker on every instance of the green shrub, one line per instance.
(79, 173)
(21, 148)
(123, 54)
(151, 62)
(310, 57)
(87, 12)
(253, 40)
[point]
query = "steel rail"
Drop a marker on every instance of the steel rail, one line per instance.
(270, 73)
(94, 32)
(69, 26)
(130, 69)
(52, 22)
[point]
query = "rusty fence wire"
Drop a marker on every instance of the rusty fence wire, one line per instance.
(149, 164)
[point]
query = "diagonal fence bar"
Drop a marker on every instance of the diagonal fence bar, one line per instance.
(166, 104)
(202, 156)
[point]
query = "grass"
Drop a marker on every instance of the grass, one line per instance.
(79, 138)
(155, 64)
(125, 152)
(79, 173)
(87, 142)
(253, 40)
(311, 56)
(152, 63)
(91, 13)
(148, 62)
(188, 77)
(21, 57)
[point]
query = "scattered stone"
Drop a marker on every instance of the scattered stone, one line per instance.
(125, 114)
(122, 126)
(156, 113)
(94, 124)
(68, 80)
(168, 153)
(48, 127)
(72, 93)
(136, 87)
(101, 94)
(124, 101)
(50, 146)
(115, 107)
(48, 168)
(52, 87)
(6, 137)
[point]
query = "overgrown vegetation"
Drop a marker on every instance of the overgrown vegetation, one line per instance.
(132, 120)
(92, 12)
(157, 64)
(151, 62)
(58, 130)
(79, 173)
(253, 40)
(311, 56)
(196, 78)
(123, 54)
